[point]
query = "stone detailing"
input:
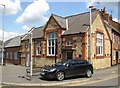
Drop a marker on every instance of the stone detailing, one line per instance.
(78, 46)
(101, 63)
(40, 62)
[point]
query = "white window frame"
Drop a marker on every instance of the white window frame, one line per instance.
(6, 55)
(119, 54)
(119, 40)
(26, 44)
(51, 43)
(114, 56)
(113, 37)
(99, 44)
(38, 48)
(11, 55)
(69, 43)
(15, 55)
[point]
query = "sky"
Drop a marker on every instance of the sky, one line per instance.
(19, 16)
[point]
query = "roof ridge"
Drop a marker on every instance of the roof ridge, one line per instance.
(80, 14)
(57, 15)
(40, 26)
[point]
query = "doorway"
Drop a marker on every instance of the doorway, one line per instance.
(69, 55)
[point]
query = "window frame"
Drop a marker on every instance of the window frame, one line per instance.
(99, 44)
(6, 55)
(10, 55)
(118, 40)
(15, 55)
(51, 43)
(26, 44)
(113, 37)
(38, 45)
(69, 43)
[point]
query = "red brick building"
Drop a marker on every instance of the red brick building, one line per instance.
(70, 36)
(114, 31)
(13, 50)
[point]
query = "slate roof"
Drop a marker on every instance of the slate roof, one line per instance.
(111, 27)
(13, 42)
(60, 20)
(76, 23)
(37, 33)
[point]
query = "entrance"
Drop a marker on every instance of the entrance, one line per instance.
(69, 55)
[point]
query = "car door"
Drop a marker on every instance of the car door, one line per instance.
(71, 69)
(82, 67)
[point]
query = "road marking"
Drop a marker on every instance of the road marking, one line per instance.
(104, 79)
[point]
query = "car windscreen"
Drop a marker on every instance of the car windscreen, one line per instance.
(62, 62)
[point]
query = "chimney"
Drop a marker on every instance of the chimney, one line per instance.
(105, 15)
(66, 23)
(110, 17)
(104, 9)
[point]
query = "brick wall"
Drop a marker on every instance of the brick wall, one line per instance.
(13, 60)
(103, 61)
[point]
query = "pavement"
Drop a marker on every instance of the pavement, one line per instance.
(16, 75)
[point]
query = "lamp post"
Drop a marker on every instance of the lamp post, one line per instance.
(3, 13)
(90, 7)
(31, 60)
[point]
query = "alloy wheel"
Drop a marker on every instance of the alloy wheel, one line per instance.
(60, 76)
(89, 73)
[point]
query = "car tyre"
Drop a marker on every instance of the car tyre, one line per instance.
(60, 76)
(89, 73)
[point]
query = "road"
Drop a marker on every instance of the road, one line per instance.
(108, 81)
(14, 75)
(111, 82)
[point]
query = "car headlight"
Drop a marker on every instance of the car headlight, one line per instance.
(52, 70)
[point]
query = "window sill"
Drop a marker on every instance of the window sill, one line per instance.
(100, 57)
(68, 45)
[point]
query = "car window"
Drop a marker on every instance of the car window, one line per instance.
(74, 63)
(62, 62)
(83, 62)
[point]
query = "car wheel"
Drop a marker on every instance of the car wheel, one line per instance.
(60, 76)
(89, 73)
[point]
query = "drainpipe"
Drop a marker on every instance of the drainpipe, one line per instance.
(111, 51)
(56, 48)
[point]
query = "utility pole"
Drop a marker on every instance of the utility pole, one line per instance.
(90, 7)
(3, 14)
(31, 60)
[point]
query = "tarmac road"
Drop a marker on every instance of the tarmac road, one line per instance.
(15, 76)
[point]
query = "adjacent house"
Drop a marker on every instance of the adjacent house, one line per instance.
(13, 50)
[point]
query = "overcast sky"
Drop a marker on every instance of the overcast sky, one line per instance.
(22, 15)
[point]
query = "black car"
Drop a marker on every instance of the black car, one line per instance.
(67, 68)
